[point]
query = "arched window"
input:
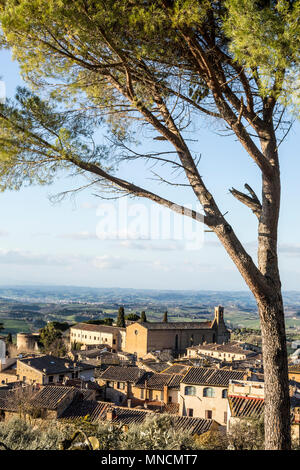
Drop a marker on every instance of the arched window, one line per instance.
(190, 390)
(209, 392)
(224, 393)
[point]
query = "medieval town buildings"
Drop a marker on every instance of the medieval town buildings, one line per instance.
(189, 370)
(141, 338)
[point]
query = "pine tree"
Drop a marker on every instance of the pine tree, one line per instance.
(121, 318)
(164, 64)
(165, 319)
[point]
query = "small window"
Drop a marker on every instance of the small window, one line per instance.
(121, 385)
(190, 412)
(224, 393)
(190, 390)
(209, 392)
(50, 379)
(142, 393)
(208, 414)
(170, 399)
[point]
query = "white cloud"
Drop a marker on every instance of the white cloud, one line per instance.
(19, 257)
(153, 245)
(108, 262)
(84, 235)
(289, 249)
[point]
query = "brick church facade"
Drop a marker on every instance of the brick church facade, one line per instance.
(142, 338)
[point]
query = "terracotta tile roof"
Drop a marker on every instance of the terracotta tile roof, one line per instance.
(91, 327)
(250, 407)
(210, 376)
(97, 412)
(53, 365)
(79, 409)
(192, 425)
(122, 374)
(177, 369)
(170, 408)
(177, 325)
(233, 348)
(174, 381)
(244, 407)
(156, 366)
(51, 396)
(5, 401)
(157, 381)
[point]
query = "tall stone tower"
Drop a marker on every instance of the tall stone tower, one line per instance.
(219, 314)
(222, 334)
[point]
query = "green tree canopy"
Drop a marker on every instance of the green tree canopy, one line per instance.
(133, 64)
(51, 337)
(104, 321)
(132, 317)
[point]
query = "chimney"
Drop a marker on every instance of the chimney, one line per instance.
(110, 414)
(129, 402)
(247, 375)
(166, 394)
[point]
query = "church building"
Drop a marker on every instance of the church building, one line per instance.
(142, 338)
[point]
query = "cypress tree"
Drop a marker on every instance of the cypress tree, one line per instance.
(9, 338)
(143, 317)
(121, 318)
(165, 319)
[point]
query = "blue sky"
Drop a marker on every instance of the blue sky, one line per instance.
(46, 243)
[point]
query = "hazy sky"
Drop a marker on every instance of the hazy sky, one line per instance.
(126, 243)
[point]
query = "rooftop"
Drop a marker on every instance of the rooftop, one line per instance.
(210, 376)
(245, 407)
(98, 410)
(233, 348)
(176, 325)
(54, 365)
(122, 374)
(51, 396)
(92, 327)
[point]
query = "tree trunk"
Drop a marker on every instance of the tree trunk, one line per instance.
(277, 400)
